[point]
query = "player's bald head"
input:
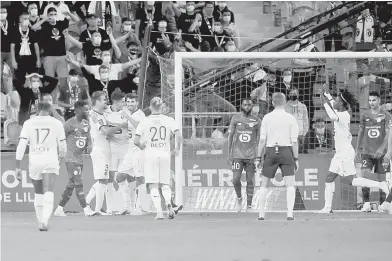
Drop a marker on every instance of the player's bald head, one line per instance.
(278, 99)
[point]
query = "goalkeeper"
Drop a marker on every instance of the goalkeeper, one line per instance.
(243, 140)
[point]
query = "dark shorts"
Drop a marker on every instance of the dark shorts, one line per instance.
(74, 169)
(240, 165)
(369, 162)
(283, 160)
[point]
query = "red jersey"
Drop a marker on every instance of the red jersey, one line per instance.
(78, 139)
(374, 128)
(246, 132)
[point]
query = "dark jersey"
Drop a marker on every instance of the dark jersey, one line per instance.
(374, 128)
(78, 139)
(246, 132)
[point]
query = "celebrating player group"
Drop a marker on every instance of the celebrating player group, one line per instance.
(125, 146)
(273, 143)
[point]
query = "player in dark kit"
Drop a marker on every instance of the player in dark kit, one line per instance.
(243, 140)
(372, 145)
(77, 132)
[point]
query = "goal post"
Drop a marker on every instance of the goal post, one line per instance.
(334, 69)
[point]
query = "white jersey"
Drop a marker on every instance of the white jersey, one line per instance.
(100, 140)
(120, 138)
(156, 130)
(137, 116)
(343, 137)
(43, 134)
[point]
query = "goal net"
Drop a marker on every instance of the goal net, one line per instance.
(207, 90)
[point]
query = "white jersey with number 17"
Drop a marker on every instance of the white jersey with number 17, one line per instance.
(156, 130)
(43, 134)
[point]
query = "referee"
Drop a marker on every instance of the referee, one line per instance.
(279, 137)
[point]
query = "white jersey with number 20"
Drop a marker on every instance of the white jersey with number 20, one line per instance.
(156, 131)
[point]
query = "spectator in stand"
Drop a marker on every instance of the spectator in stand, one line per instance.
(62, 9)
(126, 35)
(384, 13)
(31, 93)
(15, 10)
(218, 12)
(364, 37)
(25, 51)
(78, 8)
(187, 23)
(93, 49)
(230, 46)
(147, 11)
(334, 33)
(318, 138)
(195, 38)
(6, 30)
(70, 94)
(108, 86)
(229, 27)
(92, 26)
(300, 113)
(115, 68)
(34, 17)
(170, 16)
(208, 22)
(381, 63)
(220, 37)
(160, 40)
(46, 97)
(283, 84)
(105, 12)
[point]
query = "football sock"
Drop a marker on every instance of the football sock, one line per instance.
(100, 190)
(156, 199)
(109, 197)
(365, 194)
(250, 187)
(67, 194)
(382, 196)
(237, 187)
(263, 199)
(38, 205)
(362, 182)
(80, 195)
(123, 187)
(47, 207)
(132, 189)
(166, 193)
(290, 200)
(389, 198)
(329, 190)
(142, 200)
(91, 193)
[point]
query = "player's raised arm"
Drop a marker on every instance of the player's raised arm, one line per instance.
(107, 130)
(328, 105)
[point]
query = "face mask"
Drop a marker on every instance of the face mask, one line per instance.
(320, 130)
(190, 8)
(25, 23)
(106, 59)
(3, 16)
(217, 28)
(34, 12)
(294, 97)
(73, 79)
(35, 85)
(104, 76)
(199, 24)
(226, 19)
(231, 48)
(222, 5)
(127, 28)
(287, 79)
(97, 41)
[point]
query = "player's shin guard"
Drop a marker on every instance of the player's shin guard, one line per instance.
(109, 198)
(142, 200)
(383, 196)
(123, 187)
(166, 193)
(92, 192)
(80, 195)
(290, 200)
(389, 198)
(365, 194)
(250, 187)
(237, 187)
(263, 198)
(67, 194)
(132, 194)
(38, 205)
(329, 190)
(100, 191)
(47, 207)
(156, 199)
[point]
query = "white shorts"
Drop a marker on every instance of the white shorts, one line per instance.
(132, 164)
(116, 157)
(36, 170)
(157, 169)
(343, 163)
(100, 160)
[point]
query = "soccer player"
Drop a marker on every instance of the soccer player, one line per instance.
(77, 132)
(46, 139)
(343, 162)
(130, 177)
(118, 141)
(153, 136)
(100, 154)
(243, 141)
(372, 145)
(278, 146)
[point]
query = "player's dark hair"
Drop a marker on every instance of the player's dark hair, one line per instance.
(73, 72)
(319, 120)
(132, 43)
(248, 99)
(96, 96)
(31, 3)
(117, 95)
(24, 13)
(348, 99)
(375, 94)
(79, 104)
(210, 3)
(131, 95)
(103, 67)
(44, 106)
(51, 9)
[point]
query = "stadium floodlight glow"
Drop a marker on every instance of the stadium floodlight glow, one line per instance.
(179, 78)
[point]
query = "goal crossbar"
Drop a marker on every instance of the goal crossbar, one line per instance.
(178, 89)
